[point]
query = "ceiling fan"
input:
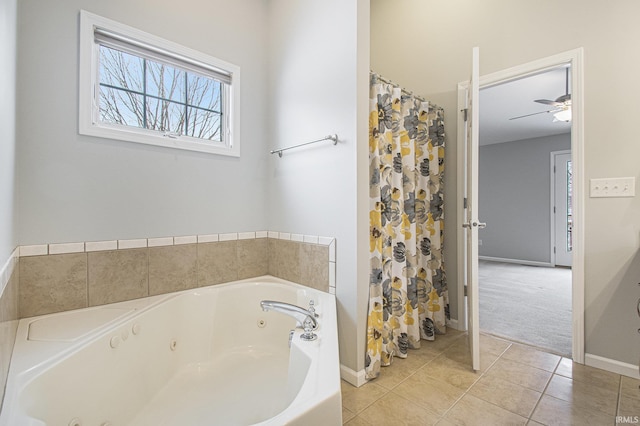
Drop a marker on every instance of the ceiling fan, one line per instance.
(562, 105)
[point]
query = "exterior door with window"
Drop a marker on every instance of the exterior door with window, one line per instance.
(563, 217)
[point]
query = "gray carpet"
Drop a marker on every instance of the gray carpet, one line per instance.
(528, 304)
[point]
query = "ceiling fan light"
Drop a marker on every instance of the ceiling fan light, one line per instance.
(564, 115)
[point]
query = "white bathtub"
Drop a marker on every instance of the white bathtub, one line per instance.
(208, 356)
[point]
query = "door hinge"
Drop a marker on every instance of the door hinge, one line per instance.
(465, 203)
(465, 112)
(554, 209)
(465, 290)
(554, 250)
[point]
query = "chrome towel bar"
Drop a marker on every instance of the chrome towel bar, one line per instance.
(333, 138)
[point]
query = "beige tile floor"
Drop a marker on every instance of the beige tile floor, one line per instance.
(517, 385)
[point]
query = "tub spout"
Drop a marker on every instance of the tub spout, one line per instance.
(306, 319)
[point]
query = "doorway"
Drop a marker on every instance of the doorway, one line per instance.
(574, 60)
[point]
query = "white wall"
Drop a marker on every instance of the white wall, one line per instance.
(317, 65)
(7, 128)
(425, 45)
(514, 198)
(80, 188)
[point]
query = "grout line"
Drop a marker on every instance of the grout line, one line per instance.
(544, 391)
(482, 374)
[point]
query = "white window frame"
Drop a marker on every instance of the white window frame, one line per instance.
(90, 125)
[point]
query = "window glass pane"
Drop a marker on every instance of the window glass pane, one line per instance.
(121, 107)
(204, 124)
(204, 92)
(121, 69)
(165, 82)
(143, 93)
(165, 116)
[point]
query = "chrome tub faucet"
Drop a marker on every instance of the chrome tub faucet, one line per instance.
(306, 319)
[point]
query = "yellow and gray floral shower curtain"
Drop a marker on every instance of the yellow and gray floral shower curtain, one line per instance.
(408, 298)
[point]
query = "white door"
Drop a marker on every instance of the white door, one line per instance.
(563, 216)
(471, 214)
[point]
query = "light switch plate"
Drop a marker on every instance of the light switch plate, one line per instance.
(613, 187)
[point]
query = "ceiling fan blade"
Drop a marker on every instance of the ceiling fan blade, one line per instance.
(535, 113)
(548, 102)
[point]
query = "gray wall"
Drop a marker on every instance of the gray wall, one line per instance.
(302, 78)
(80, 188)
(514, 197)
(435, 54)
(314, 77)
(7, 128)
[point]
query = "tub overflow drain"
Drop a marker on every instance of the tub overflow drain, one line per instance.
(262, 323)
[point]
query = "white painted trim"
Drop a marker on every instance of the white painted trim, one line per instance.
(518, 261)
(460, 211)
(88, 76)
(356, 378)
(453, 323)
(612, 365)
(575, 58)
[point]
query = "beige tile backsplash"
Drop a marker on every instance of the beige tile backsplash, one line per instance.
(117, 275)
(313, 271)
(253, 258)
(172, 268)
(52, 283)
(217, 262)
(60, 282)
(284, 259)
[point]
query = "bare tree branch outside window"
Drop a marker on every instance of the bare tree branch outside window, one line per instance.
(146, 94)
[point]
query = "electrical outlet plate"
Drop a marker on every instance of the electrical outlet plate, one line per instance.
(613, 187)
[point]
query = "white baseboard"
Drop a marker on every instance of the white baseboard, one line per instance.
(453, 323)
(356, 378)
(612, 365)
(519, 261)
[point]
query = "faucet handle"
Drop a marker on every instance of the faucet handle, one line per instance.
(312, 308)
(308, 334)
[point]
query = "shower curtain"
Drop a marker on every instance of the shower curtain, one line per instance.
(408, 297)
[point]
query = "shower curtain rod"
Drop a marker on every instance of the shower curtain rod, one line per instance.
(405, 91)
(333, 138)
